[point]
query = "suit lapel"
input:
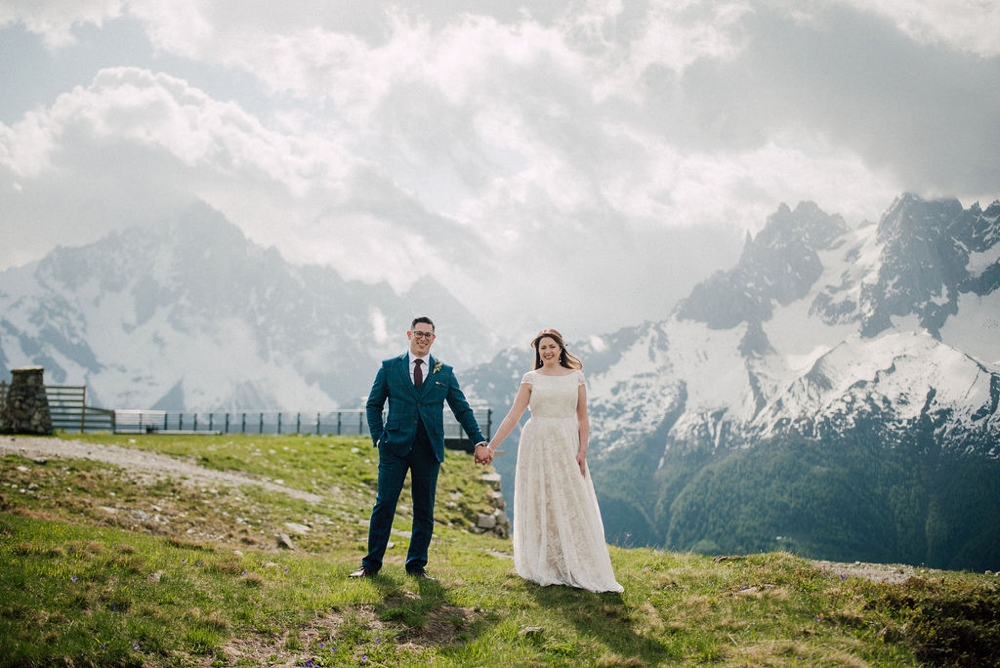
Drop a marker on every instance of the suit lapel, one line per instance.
(403, 370)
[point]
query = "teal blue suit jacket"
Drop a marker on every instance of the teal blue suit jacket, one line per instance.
(408, 404)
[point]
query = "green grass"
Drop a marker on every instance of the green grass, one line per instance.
(101, 566)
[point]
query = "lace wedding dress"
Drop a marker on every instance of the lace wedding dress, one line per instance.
(558, 533)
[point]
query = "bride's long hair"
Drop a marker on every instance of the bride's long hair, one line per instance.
(565, 358)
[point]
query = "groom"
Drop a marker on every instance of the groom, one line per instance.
(412, 438)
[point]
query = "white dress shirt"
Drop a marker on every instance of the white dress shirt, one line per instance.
(426, 368)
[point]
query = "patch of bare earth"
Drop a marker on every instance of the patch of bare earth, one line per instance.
(441, 628)
(889, 573)
(139, 461)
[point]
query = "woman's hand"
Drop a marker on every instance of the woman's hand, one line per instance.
(581, 459)
(483, 454)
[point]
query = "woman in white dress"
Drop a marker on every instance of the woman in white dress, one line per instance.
(558, 532)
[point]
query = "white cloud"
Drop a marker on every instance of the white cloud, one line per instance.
(521, 155)
(55, 20)
(965, 25)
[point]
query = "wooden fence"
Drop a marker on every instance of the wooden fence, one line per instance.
(70, 412)
(68, 408)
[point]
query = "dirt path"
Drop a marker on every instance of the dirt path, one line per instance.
(140, 461)
(891, 573)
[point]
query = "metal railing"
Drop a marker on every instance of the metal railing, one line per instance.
(337, 422)
(68, 406)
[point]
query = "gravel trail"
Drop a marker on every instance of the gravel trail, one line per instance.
(37, 448)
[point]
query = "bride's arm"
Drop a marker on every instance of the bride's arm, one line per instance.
(512, 418)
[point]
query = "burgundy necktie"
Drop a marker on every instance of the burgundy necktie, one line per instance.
(418, 375)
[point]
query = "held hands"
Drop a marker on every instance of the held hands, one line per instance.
(483, 454)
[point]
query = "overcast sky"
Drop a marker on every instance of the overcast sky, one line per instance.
(570, 164)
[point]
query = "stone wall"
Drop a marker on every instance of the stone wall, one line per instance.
(495, 522)
(26, 408)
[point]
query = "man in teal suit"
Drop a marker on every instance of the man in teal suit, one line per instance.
(411, 439)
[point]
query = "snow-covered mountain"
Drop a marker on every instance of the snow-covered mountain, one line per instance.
(871, 353)
(818, 322)
(193, 316)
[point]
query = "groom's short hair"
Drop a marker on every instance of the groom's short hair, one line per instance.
(424, 319)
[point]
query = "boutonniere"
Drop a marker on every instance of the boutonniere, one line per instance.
(437, 367)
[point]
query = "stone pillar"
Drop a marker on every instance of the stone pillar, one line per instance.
(26, 410)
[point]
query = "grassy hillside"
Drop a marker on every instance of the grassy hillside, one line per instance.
(142, 565)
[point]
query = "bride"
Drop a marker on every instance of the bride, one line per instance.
(558, 532)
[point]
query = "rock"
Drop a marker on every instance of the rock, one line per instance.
(295, 527)
(531, 631)
(285, 542)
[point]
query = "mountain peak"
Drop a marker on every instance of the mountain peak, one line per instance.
(777, 266)
(926, 249)
(191, 315)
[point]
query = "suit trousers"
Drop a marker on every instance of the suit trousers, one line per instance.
(423, 466)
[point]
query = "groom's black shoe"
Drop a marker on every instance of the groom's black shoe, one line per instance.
(363, 572)
(420, 574)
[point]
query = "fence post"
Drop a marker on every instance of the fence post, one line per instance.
(83, 411)
(317, 424)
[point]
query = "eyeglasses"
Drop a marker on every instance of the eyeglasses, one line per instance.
(422, 335)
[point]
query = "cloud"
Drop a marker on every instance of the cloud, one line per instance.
(963, 25)
(520, 155)
(55, 20)
(134, 140)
